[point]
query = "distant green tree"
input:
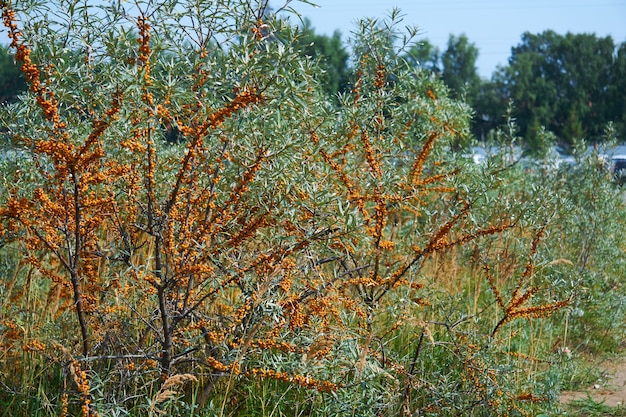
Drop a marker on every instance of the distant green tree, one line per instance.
(460, 74)
(11, 79)
(332, 55)
(573, 127)
(587, 62)
(424, 55)
(552, 77)
(459, 67)
(489, 104)
(616, 107)
(531, 79)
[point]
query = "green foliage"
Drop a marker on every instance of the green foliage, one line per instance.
(332, 55)
(616, 107)
(554, 77)
(11, 79)
(571, 84)
(424, 55)
(595, 215)
(280, 254)
(589, 407)
(488, 107)
(459, 67)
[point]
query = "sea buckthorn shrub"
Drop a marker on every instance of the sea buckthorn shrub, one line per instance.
(190, 227)
(592, 237)
(579, 257)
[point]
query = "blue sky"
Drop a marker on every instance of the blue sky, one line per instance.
(494, 26)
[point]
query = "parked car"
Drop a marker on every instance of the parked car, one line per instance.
(618, 166)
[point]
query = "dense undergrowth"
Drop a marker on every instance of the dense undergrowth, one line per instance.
(189, 226)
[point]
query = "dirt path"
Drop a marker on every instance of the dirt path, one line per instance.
(611, 392)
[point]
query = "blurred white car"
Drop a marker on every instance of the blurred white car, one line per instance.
(618, 166)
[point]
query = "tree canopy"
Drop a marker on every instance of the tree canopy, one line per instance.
(572, 85)
(459, 67)
(559, 81)
(11, 79)
(332, 56)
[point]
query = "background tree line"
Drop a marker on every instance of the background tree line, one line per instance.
(570, 85)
